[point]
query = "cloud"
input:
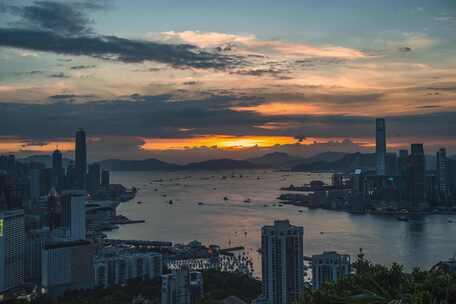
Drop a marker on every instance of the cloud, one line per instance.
(249, 43)
(115, 48)
(59, 75)
(59, 17)
(82, 67)
(64, 28)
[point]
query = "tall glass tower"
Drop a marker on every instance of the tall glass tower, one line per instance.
(80, 160)
(380, 146)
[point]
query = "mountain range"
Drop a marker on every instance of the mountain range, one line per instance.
(327, 161)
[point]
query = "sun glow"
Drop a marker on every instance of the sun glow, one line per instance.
(18, 145)
(219, 141)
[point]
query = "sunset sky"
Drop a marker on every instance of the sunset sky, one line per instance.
(193, 80)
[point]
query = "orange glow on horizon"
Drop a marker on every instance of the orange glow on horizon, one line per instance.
(283, 108)
(23, 146)
(219, 141)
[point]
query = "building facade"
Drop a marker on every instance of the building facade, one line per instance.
(67, 265)
(282, 262)
(182, 287)
(380, 146)
(113, 266)
(12, 246)
(74, 214)
(329, 267)
(80, 157)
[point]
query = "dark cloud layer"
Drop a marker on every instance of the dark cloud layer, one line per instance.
(157, 116)
(65, 28)
(114, 48)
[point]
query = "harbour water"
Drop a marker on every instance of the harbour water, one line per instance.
(199, 211)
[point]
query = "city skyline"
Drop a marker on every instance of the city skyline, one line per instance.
(302, 79)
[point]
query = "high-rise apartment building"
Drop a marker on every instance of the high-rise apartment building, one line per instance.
(282, 262)
(12, 245)
(443, 176)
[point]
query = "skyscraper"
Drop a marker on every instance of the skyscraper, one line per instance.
(105, 178)
(282, 263)
(380, 146)
(80, 160)
(402, 166)
(93, 178)
(442, 169)
(417, 174)
(12, 246)
(57, 169)
(73, 214)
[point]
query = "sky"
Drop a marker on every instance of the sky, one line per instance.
(193, 80)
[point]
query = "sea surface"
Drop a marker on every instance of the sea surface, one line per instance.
(233, 222)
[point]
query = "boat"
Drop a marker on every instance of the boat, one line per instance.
(247, 200)
(402, 218)
(225, 198)
(300, 211)
(139, 202)
(200, 203)
(170, 202)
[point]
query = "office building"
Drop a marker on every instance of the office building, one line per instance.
(73, 214)
(282, 262)
(182, 287)
(46, 181)
(66, 265)
(34, 243)
(416, 174)
(93, 178)
(391, 164)
(442, 175)
(105, 178)
(12, 245)
(35, 185)
(57, 170)
(53, 214)
(402, 168)
(380, 146)
(80, 157)
(329, 267)
(113, 266)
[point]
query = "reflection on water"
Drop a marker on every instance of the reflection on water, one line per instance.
(235, 221)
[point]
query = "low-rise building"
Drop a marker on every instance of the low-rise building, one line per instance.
(329, 267)
(115, 265)
(182, 287)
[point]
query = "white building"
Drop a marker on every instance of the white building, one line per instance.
(74, 214)
(12, 235)
(114, 266)
(282, 263)
(182, 287)
(329, 267)
(67, 265)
